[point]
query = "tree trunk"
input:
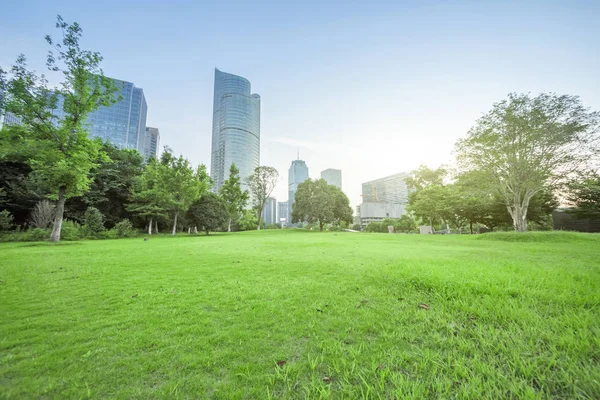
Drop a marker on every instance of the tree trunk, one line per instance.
(207, 232)
(175, 224)
(156, 225)
(195, 229)
(471, 227)
(58, 215)
(150, 227)
(229, 226)
(189, 230)
(320, 226)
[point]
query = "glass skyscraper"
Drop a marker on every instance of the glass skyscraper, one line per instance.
(151, 141)
(123, 123)
(297, 174)
(235, 130)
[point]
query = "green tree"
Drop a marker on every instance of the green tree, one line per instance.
(584, 195)
(430, 204)
(342, 212)
(6, 220)
(181, 185)
(316, 201)
(208, 213)
(231, 192)
(248, 221)
(529, 144)
(57, 149)
(149, 199)
(93, 221)
(261, 184)
(405, 224)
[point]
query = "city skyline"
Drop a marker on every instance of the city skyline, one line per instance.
(369, 89)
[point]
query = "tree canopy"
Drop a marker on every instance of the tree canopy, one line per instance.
(261, 184)
(208, 213)
(316, 201)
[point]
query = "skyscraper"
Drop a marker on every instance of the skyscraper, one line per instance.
(390, 189)
(270, 212)
(282, 213)
(333, 177)
(151, 142)
(123, 123)
(297, 174)
(236, 128)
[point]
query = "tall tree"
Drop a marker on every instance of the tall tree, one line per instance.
(261, 184)
(208, 213)
(56, 145)
(231, 192)
(528, 144)
(318, 202)
(342, 212)
(149, 198)
(584, 195)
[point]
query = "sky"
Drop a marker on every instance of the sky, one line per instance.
(369, 87)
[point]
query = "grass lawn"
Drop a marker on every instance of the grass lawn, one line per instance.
(294, 314)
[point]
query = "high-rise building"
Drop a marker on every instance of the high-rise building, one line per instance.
(123, 123)
(270, 212)
(383, 198)
(390, 189)
(297, 174)
(236, 128)
(151, 143)
(282, 212)
(333, 177)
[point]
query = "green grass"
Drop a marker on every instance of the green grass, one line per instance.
(210, 317)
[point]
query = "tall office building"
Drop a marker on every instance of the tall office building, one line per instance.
(151, 142)
(282, 212)
(390, 189)
(333, 177)
(236, 128)
(383, 198)
(270, 212)
(297, 174)
(123, 123)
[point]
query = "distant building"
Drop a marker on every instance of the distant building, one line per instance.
(123, 123)
(333, 177)
(151, 143)
(391, 189)
(297, 174)
(270, 212)
(383, 198)
(282, 212)
(235, 129)
(7, 118)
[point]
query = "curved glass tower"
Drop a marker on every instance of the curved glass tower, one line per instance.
(236, 128)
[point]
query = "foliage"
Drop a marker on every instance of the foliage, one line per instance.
(529, 144)
(20, 192)
(93, 221)
(248, 222)
(57, 149)
(261, 184)
(584, 195)
(513, 320)
(149, 198)
(124, 228)
(42, 215)
(317, 202)
(235, 199)
(405, 224)
(6, 220)
(208, 213)
(71, 230)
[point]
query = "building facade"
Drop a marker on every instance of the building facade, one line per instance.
(124, 122)
(333, 177)
(151, 143)
(282, 213)
(377, 212)
(391, 189)
(297, 174)
(235, 130)
(270, 212)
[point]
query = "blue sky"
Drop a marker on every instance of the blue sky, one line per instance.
(373, 88)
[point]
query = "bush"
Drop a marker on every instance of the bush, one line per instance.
(124, 229)
(6, 221)
(71, 231)
(93, 221)
(31, 235)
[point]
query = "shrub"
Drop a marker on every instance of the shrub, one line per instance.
(6, 221)
(124, 229)
(93, 221)
(42, 215)
(71, 231)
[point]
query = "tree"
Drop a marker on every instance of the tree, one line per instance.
(6, 220)
(248, 221)
(208, 213)
(231, 192)
(93, 221)
(149, 198)
(405, 224)
(181, 185)
(423, 177)
(584, 195)
(42, 215)
(318, 202)
(261, 184)
(430, 204)
(528, 144)
(57, 148)
(20, 193)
